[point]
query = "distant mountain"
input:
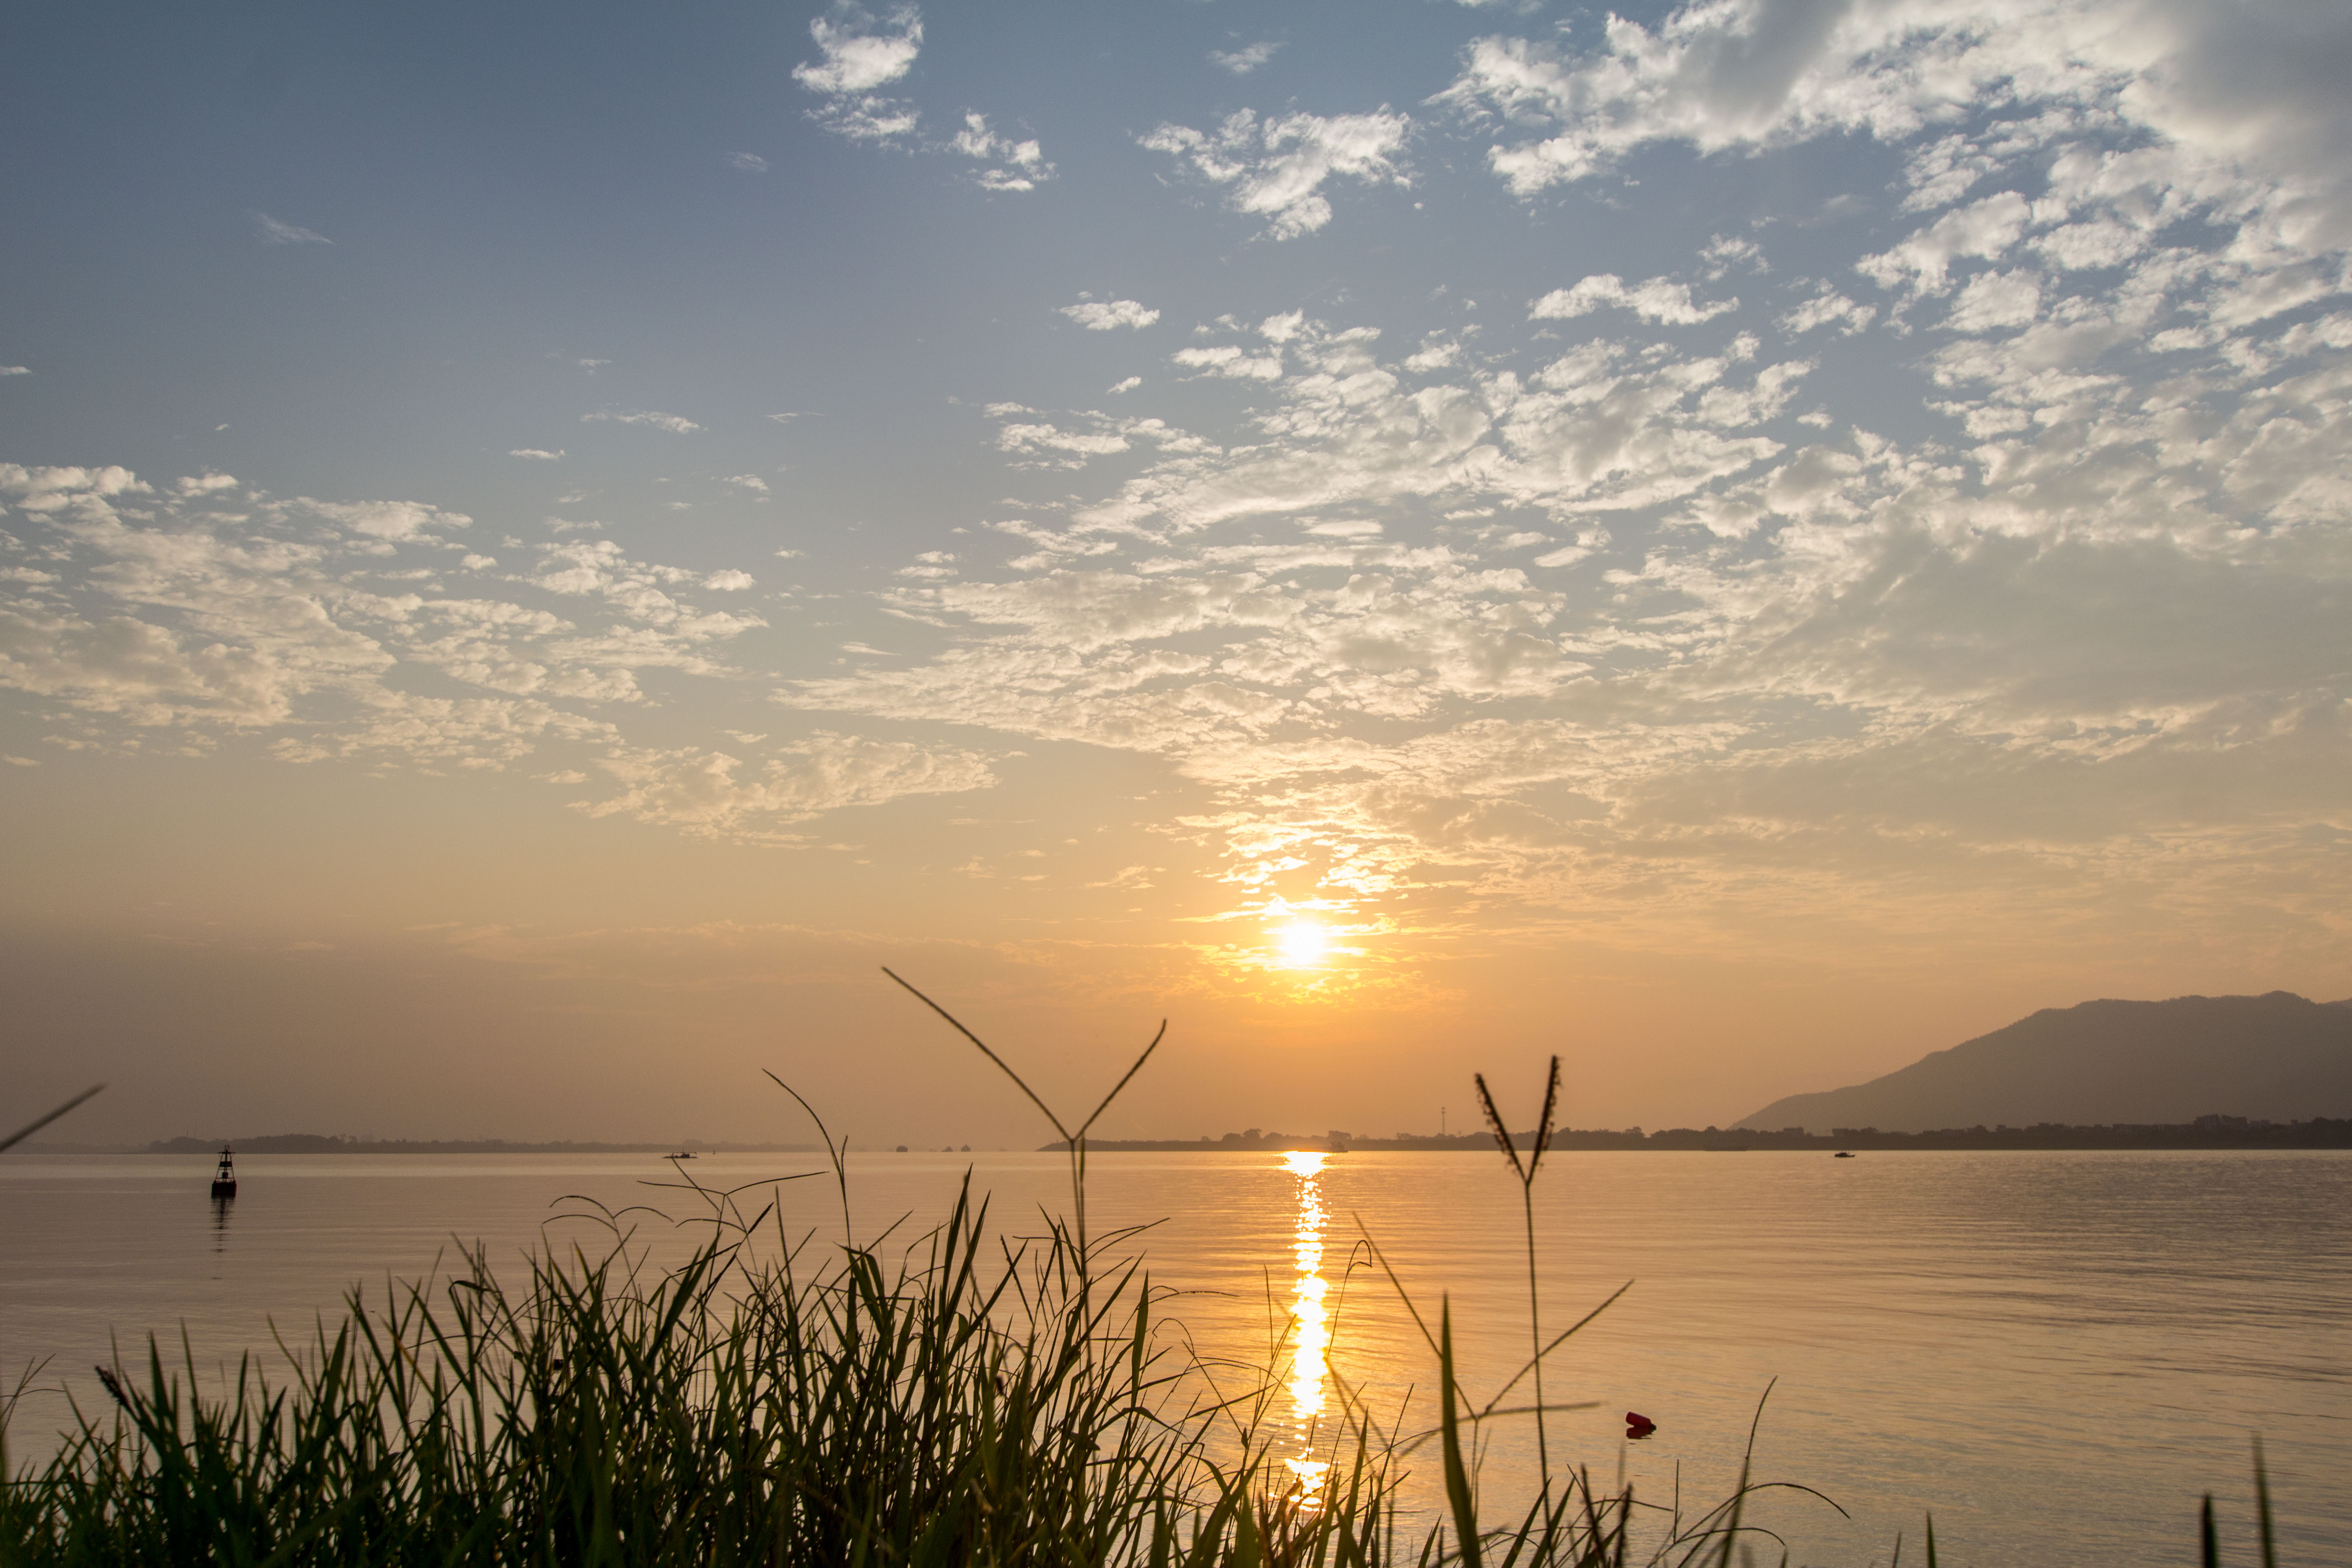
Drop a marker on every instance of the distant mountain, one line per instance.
(2277, 1058)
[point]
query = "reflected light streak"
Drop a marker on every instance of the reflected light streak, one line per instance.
(1310, 1332)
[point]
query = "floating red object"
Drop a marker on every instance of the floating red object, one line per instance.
(1638, 1426)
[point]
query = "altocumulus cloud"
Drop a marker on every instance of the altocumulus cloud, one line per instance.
(677, 425)
(858, 52)
(180, 613)
(1276, 167)
(1109, 315)
(1654, 299)
(1574, 610)
(712, 794)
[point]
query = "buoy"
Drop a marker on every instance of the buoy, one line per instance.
(224, 1178)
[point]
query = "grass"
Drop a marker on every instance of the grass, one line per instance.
(961, 1397)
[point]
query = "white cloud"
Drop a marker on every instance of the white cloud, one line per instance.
(700, 793)
(1995, 300)
(1129, 385)
(1828, 307)
(1042, 443)
(396, 521)
(273, 232)
(1724, 252)
(1014, 165)
(1923, 262)
(1241, 62)
(537, 454)
(674, 423)
(858, 52)
(749, 482)
(2240, 93)
(868, 119)
(172, 621)
(1230, 361)
(1107, 314)
(16, 370)
(1278, 167)
(1653, 299)
(749, 162)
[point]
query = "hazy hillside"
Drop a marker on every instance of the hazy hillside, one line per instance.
(2276, 1056)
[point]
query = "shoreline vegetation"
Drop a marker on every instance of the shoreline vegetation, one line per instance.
(965, 1396)
(2205, 1133)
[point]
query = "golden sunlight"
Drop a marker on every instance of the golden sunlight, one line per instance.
(1305, 943)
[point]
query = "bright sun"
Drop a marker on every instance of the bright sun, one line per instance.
(1305, 943)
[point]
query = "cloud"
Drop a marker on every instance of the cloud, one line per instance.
(700, 792)
(868, 119)
(16, 370)
(1014, 165)
(1923, 262)
(1654, 299)
(857, 52)
(749, 482)
(399, 521)
(1042, 443)
(1996, 300)
(273, 232)
(1241, 62)
(749, 162)
(1277, 166)
(1780, 670)
(2238, 92)
(537, 454)
(1232, 363)
(1828, 307)
(213, 609)
(1108, 315)
(675, 424)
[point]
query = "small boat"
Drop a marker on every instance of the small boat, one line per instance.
(1842, 1154)
(224, 1178)
(681, 1155)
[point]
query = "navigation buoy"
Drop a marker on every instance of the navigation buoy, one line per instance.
(1638, 1426)
(224, 1178)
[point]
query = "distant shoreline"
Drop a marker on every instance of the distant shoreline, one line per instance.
(2205, 1133)
(2217, 1133)
(319, 1144)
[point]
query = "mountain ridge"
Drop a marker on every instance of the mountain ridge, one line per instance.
(2275, 1057)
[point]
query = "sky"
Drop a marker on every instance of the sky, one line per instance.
(1738, 543)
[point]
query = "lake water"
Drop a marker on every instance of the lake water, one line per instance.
(2057, 1354)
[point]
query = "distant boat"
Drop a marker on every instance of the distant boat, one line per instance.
(1842, 1154)
(224, 1178)
(681, 1155)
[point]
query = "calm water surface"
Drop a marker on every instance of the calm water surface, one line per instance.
(2055, 1354)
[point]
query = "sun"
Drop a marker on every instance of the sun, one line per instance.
(1305, 943)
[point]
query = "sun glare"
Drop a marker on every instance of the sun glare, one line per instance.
(1305, 943)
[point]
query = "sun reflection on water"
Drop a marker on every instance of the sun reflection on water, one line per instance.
(1310, 1332)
